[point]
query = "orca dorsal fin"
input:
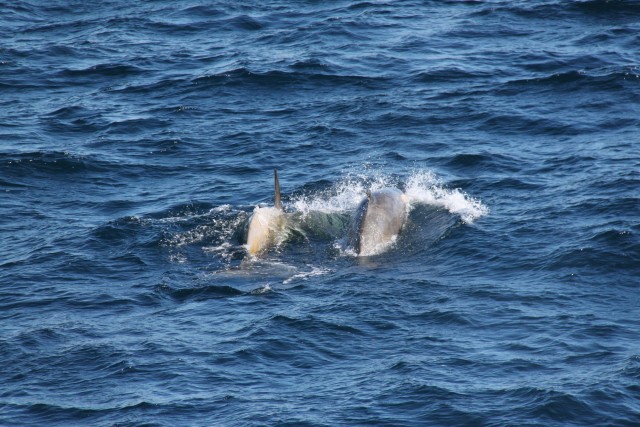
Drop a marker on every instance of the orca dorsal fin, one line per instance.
(276, 199)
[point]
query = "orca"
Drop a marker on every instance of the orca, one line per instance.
(265, 223)
(377, 221)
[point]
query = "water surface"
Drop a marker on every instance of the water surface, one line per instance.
(136, 138)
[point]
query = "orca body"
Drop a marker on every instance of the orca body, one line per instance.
(265, 223)
(378, 221)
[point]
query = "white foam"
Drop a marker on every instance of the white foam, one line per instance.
(340, 198)
(422, 186)
(222, 248)
(262, 290)
(344, 195)
(425, 187)
(315, 271)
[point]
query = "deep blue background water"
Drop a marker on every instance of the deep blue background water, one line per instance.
(136, 138)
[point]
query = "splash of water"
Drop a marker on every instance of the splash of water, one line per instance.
(345, 195)
(340, 198)
(422, 187)
(305, 275)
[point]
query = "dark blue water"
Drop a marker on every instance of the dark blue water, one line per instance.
(136, 138)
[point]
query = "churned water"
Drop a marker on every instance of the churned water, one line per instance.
(136, 138)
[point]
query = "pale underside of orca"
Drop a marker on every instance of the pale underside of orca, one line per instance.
(378, 221)
(265, 223)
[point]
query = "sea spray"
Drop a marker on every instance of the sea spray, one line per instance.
(421, 187)
(424, 187)
(345, 194)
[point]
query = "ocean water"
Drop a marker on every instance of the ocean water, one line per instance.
(136, 139)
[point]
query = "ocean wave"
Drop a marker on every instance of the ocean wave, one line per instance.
(551, 9)
(151, 86)
(486, 161)
(597, 257)
(450, 74)
(199, 293)
(176, 29)
(312, 325)
(606, 9)
(102, 70)
(74, 119)
(441, 317)
(50, 162)
(579, 80)
(550, 405)
(516, 123)
(245, 22)
(135, 125)
(517, 184)
(200, 10)
(280, 78)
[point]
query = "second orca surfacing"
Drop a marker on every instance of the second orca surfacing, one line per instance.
(378, 221)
